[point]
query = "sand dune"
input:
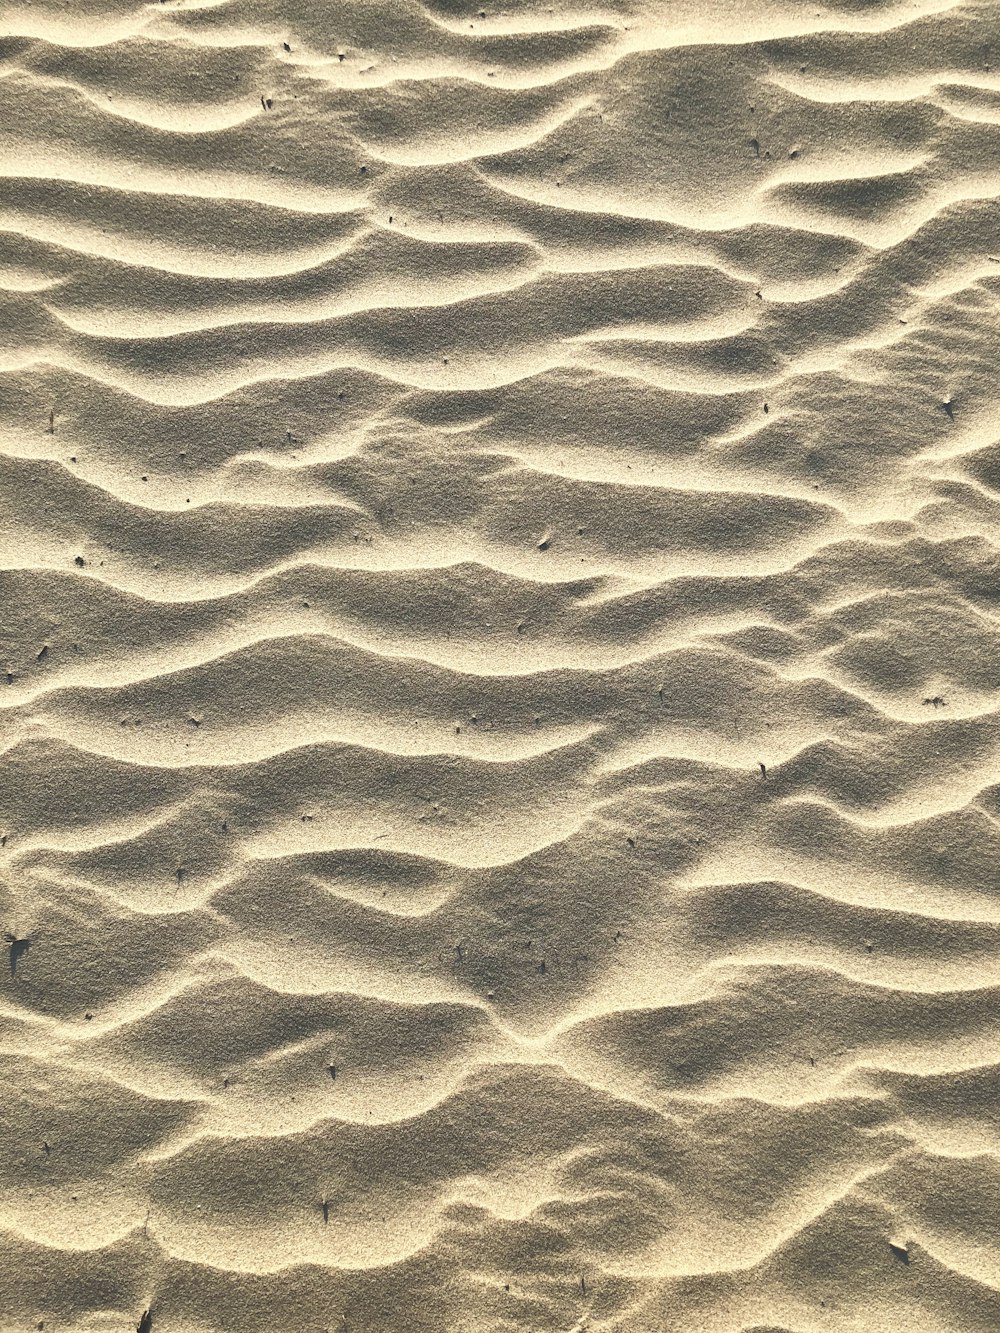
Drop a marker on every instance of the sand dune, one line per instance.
(499, 509)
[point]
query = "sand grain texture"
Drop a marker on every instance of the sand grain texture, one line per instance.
(500, 803)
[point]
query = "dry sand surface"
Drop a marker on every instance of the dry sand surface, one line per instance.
(501, 619)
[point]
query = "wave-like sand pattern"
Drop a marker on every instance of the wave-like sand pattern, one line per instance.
(499, 512)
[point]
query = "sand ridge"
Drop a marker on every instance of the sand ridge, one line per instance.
(499, 507)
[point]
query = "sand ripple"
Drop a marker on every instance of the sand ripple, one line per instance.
(499, 521)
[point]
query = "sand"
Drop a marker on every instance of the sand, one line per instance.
(499, 518)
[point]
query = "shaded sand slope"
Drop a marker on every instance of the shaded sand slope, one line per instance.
(500, 810)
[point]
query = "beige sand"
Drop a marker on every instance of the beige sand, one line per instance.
(501, 614)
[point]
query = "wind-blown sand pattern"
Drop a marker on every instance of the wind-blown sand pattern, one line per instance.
(501, 622)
